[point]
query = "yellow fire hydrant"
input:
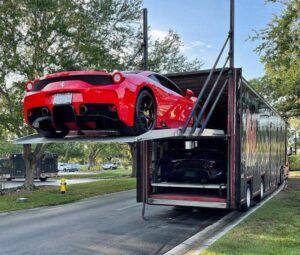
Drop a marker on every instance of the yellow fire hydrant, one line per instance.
(63, 186)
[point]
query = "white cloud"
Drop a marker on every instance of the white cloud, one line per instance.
(195, 47)
(192, 49)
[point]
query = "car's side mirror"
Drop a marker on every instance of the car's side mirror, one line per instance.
(189, 93)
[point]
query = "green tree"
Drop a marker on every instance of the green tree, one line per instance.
(68, 152)
(165, 55)
(280, 53)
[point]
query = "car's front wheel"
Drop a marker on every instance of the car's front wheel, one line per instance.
(145, 114)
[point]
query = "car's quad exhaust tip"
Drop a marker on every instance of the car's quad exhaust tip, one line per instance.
(83, 109)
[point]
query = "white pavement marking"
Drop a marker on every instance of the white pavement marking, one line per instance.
(206, 237)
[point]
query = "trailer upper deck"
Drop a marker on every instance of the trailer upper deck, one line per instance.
(173, 133)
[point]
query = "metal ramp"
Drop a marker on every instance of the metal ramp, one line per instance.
(173, 133)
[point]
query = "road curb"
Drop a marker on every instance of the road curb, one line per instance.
(206, 237)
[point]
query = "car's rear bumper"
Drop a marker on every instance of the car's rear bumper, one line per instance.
(65, 117)
(90, 109)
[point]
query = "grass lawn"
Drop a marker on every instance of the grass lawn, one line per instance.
(272, 229)
(44, 196)
(102, 174)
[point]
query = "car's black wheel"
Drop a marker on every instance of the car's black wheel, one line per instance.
(247, 204)
(43, 179)
(145, 114)
(52, 133)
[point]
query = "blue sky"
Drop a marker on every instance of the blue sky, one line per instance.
(203, 26)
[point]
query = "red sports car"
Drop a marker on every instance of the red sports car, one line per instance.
(130, 102)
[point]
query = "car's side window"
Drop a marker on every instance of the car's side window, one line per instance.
(153, 77)
(166, 83)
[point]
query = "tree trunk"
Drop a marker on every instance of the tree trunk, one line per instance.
(92, 160)
(29, 166)
(133, 157)
(30, 159)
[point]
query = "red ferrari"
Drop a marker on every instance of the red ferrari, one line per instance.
(130, 102)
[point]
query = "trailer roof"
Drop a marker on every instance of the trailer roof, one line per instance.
(195, 80)
(192, 80)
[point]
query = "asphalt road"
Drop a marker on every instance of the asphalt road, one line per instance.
(110, 224)
(50, 182)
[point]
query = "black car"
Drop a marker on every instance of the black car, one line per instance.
(193, 166)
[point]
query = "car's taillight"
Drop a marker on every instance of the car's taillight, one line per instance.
(29, 86)
(118, 77)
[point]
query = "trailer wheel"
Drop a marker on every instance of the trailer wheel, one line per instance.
(247, 205)
(262, 190)
(43, 179)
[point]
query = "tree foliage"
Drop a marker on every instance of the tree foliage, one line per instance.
(280, 53)
(165, 55)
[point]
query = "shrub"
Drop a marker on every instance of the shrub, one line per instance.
(294, 162)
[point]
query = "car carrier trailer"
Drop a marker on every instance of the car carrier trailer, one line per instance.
(239, 123)
(240, 126)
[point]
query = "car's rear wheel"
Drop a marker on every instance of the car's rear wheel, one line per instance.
(52, 133)
(145, 114)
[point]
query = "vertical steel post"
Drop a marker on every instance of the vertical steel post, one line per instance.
(145, 37)
(231, 113)
(231, 33)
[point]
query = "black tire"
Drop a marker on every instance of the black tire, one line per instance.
(8, 179)
(52, 133)
(247, 204)
(262, 190)
(144, 115)
(43, 179)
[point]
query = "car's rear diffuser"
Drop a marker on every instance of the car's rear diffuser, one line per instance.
(106, 137)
